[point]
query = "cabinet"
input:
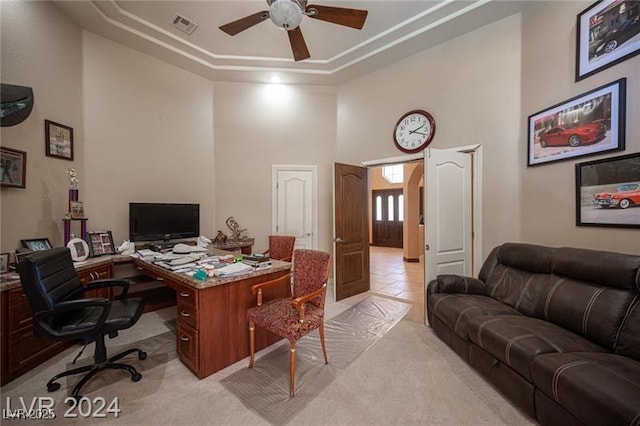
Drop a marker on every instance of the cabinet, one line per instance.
(20, 349)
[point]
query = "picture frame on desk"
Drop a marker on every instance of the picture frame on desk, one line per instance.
(37, 244)
(4, 263)
(100, 243)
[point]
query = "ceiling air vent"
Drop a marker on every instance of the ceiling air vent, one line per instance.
(184, 24)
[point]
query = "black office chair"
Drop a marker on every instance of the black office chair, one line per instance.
(55, 293)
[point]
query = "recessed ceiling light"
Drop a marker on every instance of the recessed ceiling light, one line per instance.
(276, 80)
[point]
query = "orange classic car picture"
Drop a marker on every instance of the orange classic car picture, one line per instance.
(627, 195)
(575, 136)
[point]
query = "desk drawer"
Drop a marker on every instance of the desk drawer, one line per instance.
(188, 347)
(187, 313)
(186, 295)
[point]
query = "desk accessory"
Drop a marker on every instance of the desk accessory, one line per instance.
(100, 243)
(79, 249)
(37, 244)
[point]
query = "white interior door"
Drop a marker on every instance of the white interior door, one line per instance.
(294, 204)
(448, 221)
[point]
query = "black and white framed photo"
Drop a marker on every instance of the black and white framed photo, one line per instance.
(608, 32)
(58, 140)
(590, 123)
(608, 192)
(37, 244)
(13, 167)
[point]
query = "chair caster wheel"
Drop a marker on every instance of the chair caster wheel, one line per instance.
(136, 377)
(142, 355)
(52, 387)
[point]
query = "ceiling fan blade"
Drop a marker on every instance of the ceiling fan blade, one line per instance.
(233, 28)
(298, 45)
(353, 18)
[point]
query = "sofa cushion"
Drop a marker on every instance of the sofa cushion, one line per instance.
(597, 388)
(517, 340)
(629, 340)
(455, 310)
(593, 311)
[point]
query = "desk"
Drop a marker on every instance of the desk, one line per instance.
(244, 245)
(212, 330)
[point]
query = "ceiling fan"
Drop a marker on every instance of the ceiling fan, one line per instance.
(287, 14)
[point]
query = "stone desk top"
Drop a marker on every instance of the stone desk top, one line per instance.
(276, 266)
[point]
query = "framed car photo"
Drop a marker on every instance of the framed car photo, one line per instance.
(590, 123)
(608, 192)
(608, 32)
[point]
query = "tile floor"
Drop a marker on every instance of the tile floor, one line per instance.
(391, 276)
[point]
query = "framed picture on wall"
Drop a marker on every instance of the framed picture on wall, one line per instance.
(608, 32)
(590, 123)
(13, 166)
(608, 192)
(58, 140)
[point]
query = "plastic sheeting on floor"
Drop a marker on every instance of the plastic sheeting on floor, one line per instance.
(265, 388)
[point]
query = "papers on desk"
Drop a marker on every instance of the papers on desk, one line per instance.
(233, 269)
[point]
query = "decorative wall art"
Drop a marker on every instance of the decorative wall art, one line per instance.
(608, 192)
(587, 124)
(58, 140)
(16, 103)
(608, 32)
(13, 167)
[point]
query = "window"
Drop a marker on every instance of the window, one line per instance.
(378, 208)
(390, 207)
(401, 208)
(393, 174)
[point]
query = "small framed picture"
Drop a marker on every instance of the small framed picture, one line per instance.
(79, 249)
(100, 243)
(37, 244)
(590, 123)
(607, 34)
(77, 209)
(58, 140)
(608, 192)
(4, 263)
(13, 166)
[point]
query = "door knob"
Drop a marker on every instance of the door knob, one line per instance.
(337, 240)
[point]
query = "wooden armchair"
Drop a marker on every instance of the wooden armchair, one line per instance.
(281, 247)
(298, 315)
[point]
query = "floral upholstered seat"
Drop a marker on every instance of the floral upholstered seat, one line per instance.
(281, 247)
(297, 316)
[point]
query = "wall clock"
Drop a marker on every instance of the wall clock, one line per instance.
(414, 131)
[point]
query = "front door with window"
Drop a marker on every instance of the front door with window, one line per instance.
(388, 216)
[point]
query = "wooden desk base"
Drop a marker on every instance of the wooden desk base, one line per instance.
(212, 330)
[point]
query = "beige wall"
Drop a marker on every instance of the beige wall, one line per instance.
(548, 77)
(259, 125)
(145, 130)
(471, 85)
(42, 49)
(149, 136)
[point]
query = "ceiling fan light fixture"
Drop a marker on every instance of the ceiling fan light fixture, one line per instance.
(286, 14)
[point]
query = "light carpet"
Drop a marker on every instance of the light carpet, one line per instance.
(264, 388)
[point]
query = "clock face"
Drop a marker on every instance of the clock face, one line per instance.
(414, 131)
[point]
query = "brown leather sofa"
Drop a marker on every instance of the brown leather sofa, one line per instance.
(557, 330)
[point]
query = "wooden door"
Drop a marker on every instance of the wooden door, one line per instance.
(387, 217)
(351, 237)
(294, 203)
(448, 230)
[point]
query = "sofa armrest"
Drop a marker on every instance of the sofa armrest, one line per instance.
(456, 284)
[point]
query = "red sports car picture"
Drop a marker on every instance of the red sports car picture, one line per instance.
(575, 136)
(627, 195)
